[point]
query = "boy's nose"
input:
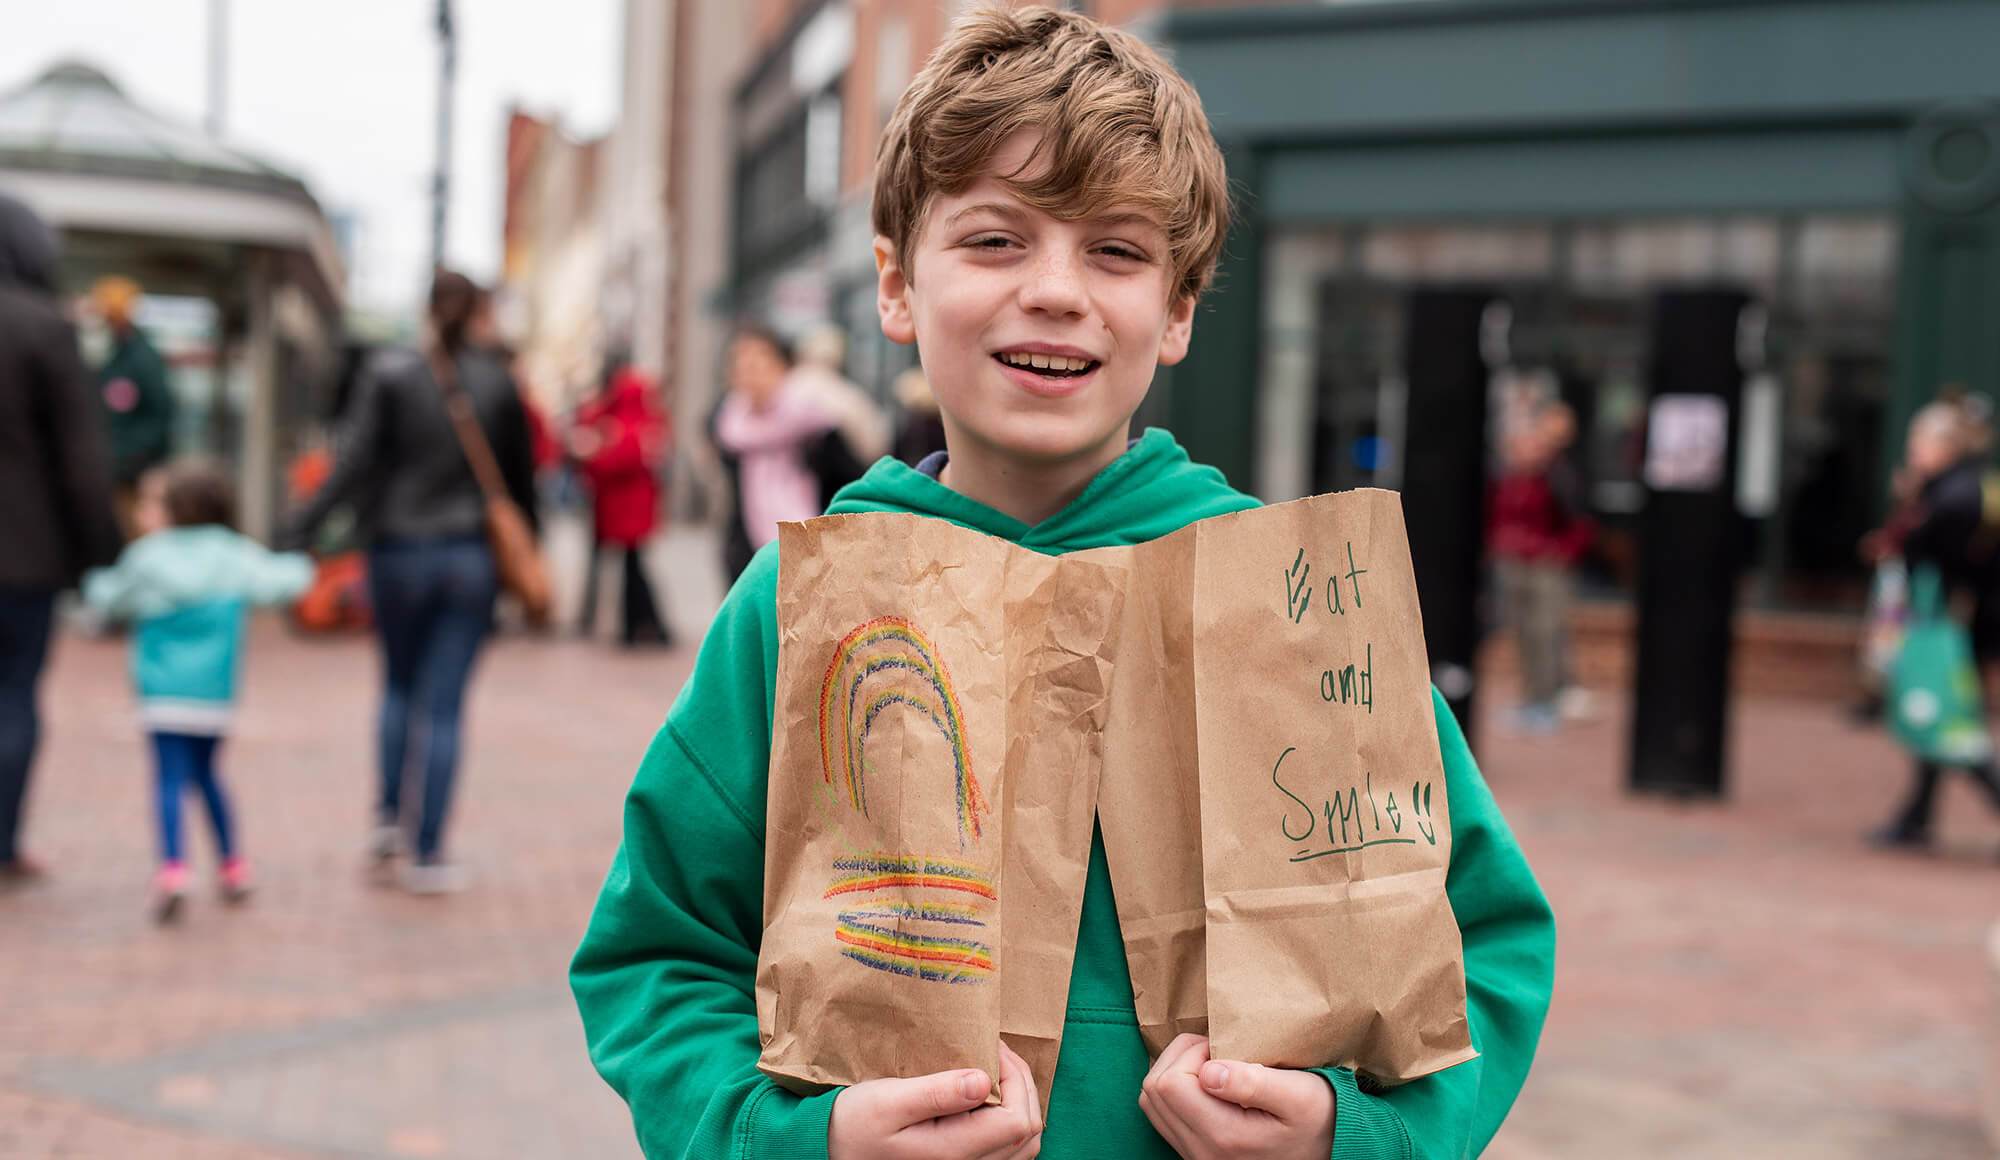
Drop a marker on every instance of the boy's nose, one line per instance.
(1055, 287)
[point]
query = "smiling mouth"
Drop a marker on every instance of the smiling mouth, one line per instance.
(1050, 366)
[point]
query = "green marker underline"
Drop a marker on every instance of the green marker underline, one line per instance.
(1352, 849)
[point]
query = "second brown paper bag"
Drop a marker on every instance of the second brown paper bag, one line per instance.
(1325, 827)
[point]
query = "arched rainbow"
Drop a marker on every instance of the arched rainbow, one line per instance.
(897, 665)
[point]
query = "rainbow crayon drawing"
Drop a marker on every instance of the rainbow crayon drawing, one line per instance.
(889, 663)
(919, 938)
(879, 938)
(868, 873)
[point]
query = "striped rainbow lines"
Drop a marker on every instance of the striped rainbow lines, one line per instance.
(889, 663)
(870, 872)
(878, 938)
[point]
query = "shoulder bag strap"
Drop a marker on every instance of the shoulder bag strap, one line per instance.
(465, 424)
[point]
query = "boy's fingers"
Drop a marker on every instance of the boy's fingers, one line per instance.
(1164, 1121)
(1170, 1058)
(1202, 1116)
(984, 1132)
(1025, 1150)
(931, 1097)
(990, 1132)
(1287, 1094)
(1018, 1089)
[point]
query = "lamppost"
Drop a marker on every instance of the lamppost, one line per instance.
(441, 180)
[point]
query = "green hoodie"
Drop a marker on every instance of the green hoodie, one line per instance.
(665, 977)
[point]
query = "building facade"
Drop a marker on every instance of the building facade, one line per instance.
(1836, 161)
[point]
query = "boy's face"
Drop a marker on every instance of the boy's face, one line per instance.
(992, 286)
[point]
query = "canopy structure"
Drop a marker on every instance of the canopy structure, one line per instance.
(137, 193)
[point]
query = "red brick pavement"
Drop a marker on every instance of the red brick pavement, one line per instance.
(1739, 980)
(1748, 979)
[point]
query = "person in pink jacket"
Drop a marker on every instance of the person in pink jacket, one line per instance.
(767, 430)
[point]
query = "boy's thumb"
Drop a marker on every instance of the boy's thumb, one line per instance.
(1247, 1085)
(945, 1093)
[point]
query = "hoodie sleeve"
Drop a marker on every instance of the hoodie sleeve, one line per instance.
(274, 577)
(1509, 938)
(665, 978)
(114, 591)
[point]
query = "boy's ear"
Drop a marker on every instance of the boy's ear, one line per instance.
(892, 294)
(1180, 329)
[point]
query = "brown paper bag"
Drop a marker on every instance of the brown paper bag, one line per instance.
(929, 828)
(938, 731)
(1149, 801)
(1325, 830)
(1063, 631)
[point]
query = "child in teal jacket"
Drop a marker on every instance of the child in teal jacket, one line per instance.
(188, 583)
(1049, 205)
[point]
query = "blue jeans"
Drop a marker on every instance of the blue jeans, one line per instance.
(433, 608)
(181, 759)
(25, 616)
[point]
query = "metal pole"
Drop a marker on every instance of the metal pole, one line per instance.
(441, 182)
(218, 66)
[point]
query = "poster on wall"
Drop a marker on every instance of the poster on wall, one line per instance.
(1687, 438)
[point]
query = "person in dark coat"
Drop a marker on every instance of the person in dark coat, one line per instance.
(1947, 528)
(432, 578)
(56, 514)
(133, 389)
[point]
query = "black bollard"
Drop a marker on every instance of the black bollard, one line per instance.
(1690, 550)
(1444, 479)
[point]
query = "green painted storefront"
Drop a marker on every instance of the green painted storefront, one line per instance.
(1784, 122)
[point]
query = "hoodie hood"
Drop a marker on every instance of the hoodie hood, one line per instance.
(1152, 490)
(27, 249)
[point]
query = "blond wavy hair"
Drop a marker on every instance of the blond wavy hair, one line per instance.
(1119, 127)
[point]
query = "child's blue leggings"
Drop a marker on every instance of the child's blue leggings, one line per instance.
(182, 758)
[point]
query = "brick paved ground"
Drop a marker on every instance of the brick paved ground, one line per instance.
(1742, 980)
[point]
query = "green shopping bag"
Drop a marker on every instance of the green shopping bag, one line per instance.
(1935, 708)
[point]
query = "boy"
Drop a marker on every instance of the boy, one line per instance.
(1049, 204)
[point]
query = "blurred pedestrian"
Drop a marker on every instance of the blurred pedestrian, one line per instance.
(1537, 533)
(132, 385)
(1947, 528)
(56, 514)
(432, 576)
(920, 435)
(620, 439)
(766, 430)
(188, 582)
(861, 432)
(337, 600)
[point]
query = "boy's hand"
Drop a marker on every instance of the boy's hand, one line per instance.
(1212, 1108)
(939, 1117)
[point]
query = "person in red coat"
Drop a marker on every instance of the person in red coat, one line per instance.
(1537, 531)
(620, 438)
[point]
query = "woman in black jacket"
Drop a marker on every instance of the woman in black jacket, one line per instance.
(1950, 532)
(56, 515)
(431, 576)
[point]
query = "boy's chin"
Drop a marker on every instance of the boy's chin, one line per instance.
(1051, 440)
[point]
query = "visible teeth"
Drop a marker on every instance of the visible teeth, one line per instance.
(1045, 362)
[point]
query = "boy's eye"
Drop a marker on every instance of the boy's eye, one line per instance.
(990, 242)
(1118, 251)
